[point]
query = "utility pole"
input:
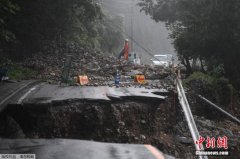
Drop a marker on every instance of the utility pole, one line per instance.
(132, 25)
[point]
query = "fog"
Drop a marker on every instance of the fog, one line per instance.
(146, 32)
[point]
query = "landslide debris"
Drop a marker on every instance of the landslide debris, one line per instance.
(160, 123)
(100, 69)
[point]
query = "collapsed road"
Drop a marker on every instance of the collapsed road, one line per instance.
(36, 114)
(132, 113)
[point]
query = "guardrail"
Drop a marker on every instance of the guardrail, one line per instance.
(188, 115)
(219, 108)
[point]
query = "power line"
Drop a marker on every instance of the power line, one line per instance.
(115, 6)
(139, 45)
(132, 23)
(118, 2)
(131, 36)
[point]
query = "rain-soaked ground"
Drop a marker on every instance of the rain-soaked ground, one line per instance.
(128, 120)
(135, 120)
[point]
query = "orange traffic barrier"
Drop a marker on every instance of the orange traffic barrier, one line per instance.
(83, 79)
(140, 79)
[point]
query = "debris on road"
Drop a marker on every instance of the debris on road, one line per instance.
(100, 69)
(120, 120)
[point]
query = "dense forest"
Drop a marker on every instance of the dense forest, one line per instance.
(203, 30)
(29, 27)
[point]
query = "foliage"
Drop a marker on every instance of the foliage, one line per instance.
(199, 76)
(217, 71)
(208, 30)
(17, 72)
(111, 33)
(39, 24)
(5, 62)
(7, 9)
(217, 89)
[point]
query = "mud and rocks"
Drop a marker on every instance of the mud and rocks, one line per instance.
(157, 122)
(120, 121)
(101, 69)
(160, 123)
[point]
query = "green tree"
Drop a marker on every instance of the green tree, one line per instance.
(202, 29)
(7, 9)
(111, 33)
(42, 24)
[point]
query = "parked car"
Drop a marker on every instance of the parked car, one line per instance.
(3, 74)
(164, 60)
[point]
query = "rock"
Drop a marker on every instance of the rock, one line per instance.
(100, 68)
(184, 140)
(118, 131)
(143, 137)
(121, 123)
(52, 73)
(143, 122)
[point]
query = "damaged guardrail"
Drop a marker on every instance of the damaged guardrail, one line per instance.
(188, 115)
(220, 109)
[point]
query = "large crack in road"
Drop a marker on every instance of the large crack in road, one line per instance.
(132, 113)
(135, 120)
(127, 120)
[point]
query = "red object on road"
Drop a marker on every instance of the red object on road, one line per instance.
(83, 80)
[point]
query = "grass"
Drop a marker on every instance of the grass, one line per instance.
(17, 72)
(199, 76)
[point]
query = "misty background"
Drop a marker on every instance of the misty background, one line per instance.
(146, 32)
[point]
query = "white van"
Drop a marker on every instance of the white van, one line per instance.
(165, 60)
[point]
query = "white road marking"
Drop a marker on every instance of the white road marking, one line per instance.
(25, 95)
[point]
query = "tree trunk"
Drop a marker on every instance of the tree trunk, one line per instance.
(202, 67)
(188, 65)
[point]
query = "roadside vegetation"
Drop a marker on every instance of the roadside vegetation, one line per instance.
(45, 27)
(202, 30)
(27, 27)
(16, 71)
(217, 89)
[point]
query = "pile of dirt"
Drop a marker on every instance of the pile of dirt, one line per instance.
(120, 121)
(156, 122)
(127, 120)
(101, 69)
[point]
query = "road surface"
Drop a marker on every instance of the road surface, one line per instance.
(78, 149)
(46, 93)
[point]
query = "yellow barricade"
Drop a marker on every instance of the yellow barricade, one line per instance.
(140, 79)
(83, 80)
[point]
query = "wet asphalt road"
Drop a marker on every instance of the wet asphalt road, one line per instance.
(46, 93)
(71, 149)
(11, 91)
(78, 149)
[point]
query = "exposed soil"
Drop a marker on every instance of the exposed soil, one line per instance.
(129, 120)
(145, 121)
